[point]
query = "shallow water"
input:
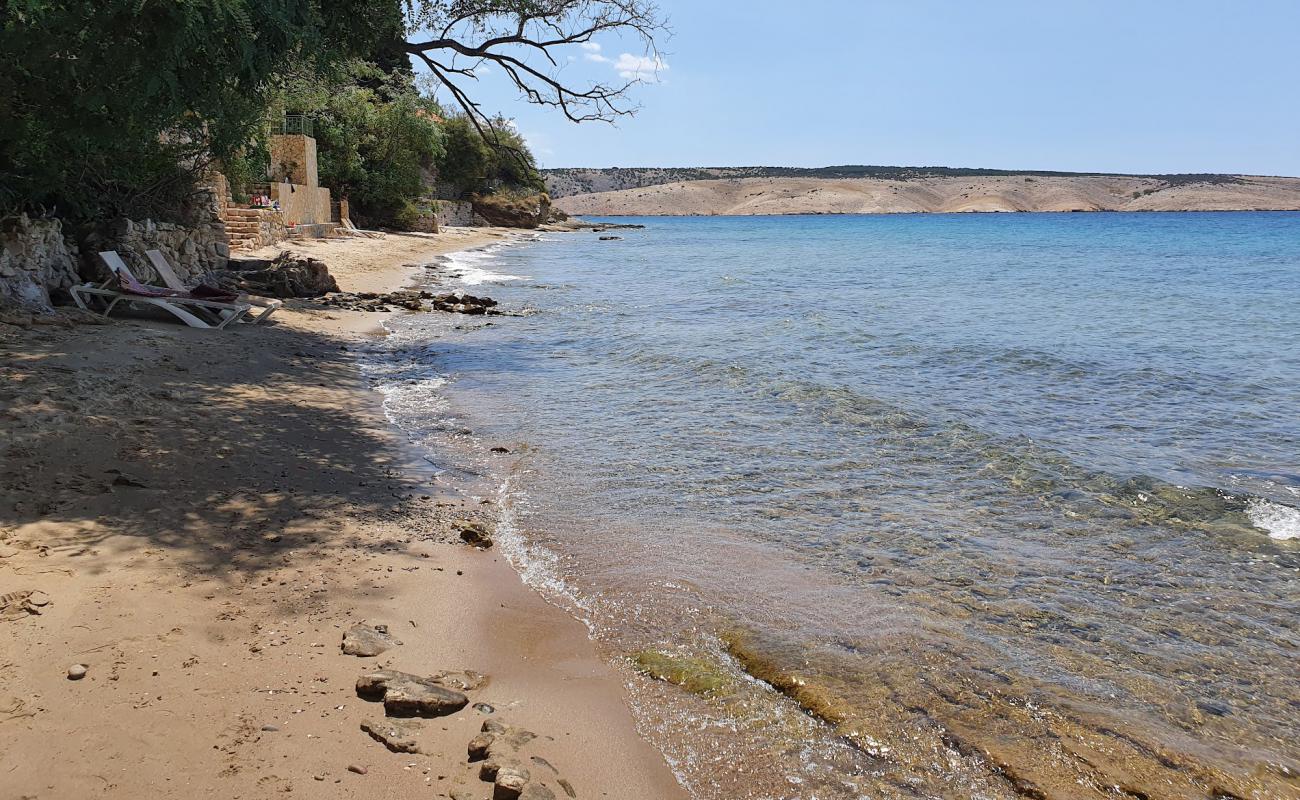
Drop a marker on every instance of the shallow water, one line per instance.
(1002, 505)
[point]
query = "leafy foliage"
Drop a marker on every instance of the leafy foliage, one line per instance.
(114, 107)
(111, 104)
(377, 139)
(472, 165)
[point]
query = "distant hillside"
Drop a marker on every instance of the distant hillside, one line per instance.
(567, 182)
(880, 190)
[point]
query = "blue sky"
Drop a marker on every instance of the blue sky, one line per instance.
(1137, 86)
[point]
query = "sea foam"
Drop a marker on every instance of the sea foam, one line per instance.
(469, 268)
(1280, 521)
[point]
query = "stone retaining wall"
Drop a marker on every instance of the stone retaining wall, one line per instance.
(35, 259)
(192, 251)
(43, 257)
(457, 213)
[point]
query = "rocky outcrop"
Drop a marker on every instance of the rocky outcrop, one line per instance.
(510, 210)
(35, 259)
(286, 275)
(412, 300)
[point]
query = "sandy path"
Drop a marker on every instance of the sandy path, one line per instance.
(206, 513)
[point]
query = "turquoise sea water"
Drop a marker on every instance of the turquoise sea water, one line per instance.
(1009, 504)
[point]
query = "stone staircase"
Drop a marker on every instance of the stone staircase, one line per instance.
(244, 226)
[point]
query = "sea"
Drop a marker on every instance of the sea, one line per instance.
(900, 506)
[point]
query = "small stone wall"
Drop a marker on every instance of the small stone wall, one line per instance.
(457, 213)
(40, 257)
(192, 251)
(35, 259)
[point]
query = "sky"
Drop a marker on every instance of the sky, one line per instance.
(1144, 86)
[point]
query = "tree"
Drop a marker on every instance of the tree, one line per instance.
(523, 39)
(114, 106)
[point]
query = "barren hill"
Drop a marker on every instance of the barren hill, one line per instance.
(756, 190)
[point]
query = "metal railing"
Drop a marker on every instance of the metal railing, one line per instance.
(297, 123)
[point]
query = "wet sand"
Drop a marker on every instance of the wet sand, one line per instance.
(201, 515)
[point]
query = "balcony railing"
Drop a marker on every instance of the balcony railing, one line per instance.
(297, 123)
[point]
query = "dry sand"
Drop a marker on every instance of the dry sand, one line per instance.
(752, 196)
(204, 513)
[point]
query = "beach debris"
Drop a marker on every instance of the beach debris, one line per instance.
(365, 641)
(567, 787)
(406, 695)
(358, 769)
(16, 605)
(397, 735)
(473, 533)
(77, 671)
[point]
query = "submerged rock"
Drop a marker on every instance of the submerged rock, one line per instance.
(473, 533)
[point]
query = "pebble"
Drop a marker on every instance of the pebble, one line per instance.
(76, 672)
(484, 708)
(357, 768)
(270, 728)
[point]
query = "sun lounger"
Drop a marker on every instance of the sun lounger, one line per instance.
(194, 311)
(172, 281)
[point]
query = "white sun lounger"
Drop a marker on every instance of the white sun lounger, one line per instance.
(172, 281)
(193, 311)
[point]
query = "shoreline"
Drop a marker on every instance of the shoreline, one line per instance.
(204, 515)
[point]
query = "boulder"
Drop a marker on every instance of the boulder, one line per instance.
(406, 695)
(513, 210)
(286, 275)
(472, 533)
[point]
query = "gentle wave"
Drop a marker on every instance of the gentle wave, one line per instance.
(1281, 522)
(469, 267)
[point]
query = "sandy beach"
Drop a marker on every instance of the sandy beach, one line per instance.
(197, 517)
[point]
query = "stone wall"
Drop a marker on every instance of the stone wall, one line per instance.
(457, 213)
(35, 259)
(41, 257)
(293, 159)
(302, 205)
(192, 250)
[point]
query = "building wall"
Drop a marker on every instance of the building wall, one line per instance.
(302, 205)
(293, 160)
